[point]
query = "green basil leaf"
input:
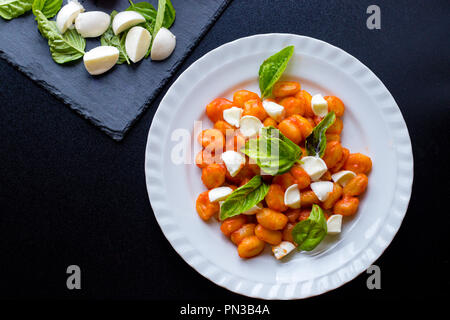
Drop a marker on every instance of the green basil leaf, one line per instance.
(159, 17)
(48, 7)
(165, 16)
(146, 9)
(272, 68)
(273, 152)
(244, 198)
(307, 234)
(63, 47)
(118, 41)
(273, 132)
(169, 15)
(317, 141)
(10, 9)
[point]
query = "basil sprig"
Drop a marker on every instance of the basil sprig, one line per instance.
(10, 9)
(272, 151)
(317, 141)
(272, 68)
(63, 47)
(307, 234)
(244, 198)
(110, 39)
(48, 7)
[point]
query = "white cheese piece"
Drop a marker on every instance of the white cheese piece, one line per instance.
(125, 20)
(137, 43)
(283, 249)
(319, 105)
(250, 126)
(233, 116)
(92, 24)
(315, 167)
(334, 224)
(343, 177)
(322, 189)
(163, 44)
(292, 197)
(100, 59)
(218, 194)
(274, 110)
(234, 161)
(67, 15)
(253, 210)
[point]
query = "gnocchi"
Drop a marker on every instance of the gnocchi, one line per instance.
(271, 222)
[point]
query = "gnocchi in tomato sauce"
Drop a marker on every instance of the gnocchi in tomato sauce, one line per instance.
(334, 181)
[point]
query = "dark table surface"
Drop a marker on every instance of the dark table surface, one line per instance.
(71, 195)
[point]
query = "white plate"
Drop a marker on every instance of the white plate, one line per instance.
(373, 125)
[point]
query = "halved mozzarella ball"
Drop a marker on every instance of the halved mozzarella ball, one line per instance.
(92, 24)
(273, 109)
(125, 20)
(100, 59)
(315, 167)
(334, 224)
(232, 116)
(250, 126)
(292, 197)
(322, 189)
(220, 193)
(234, 161)
(253, 210)
(319, 105)
(67, 15)
(343, 177)
(163, 44)
(283, 249)
(137, 43)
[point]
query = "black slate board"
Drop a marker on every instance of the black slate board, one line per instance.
(115, 100)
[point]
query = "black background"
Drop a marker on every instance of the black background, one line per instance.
(71, 195)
